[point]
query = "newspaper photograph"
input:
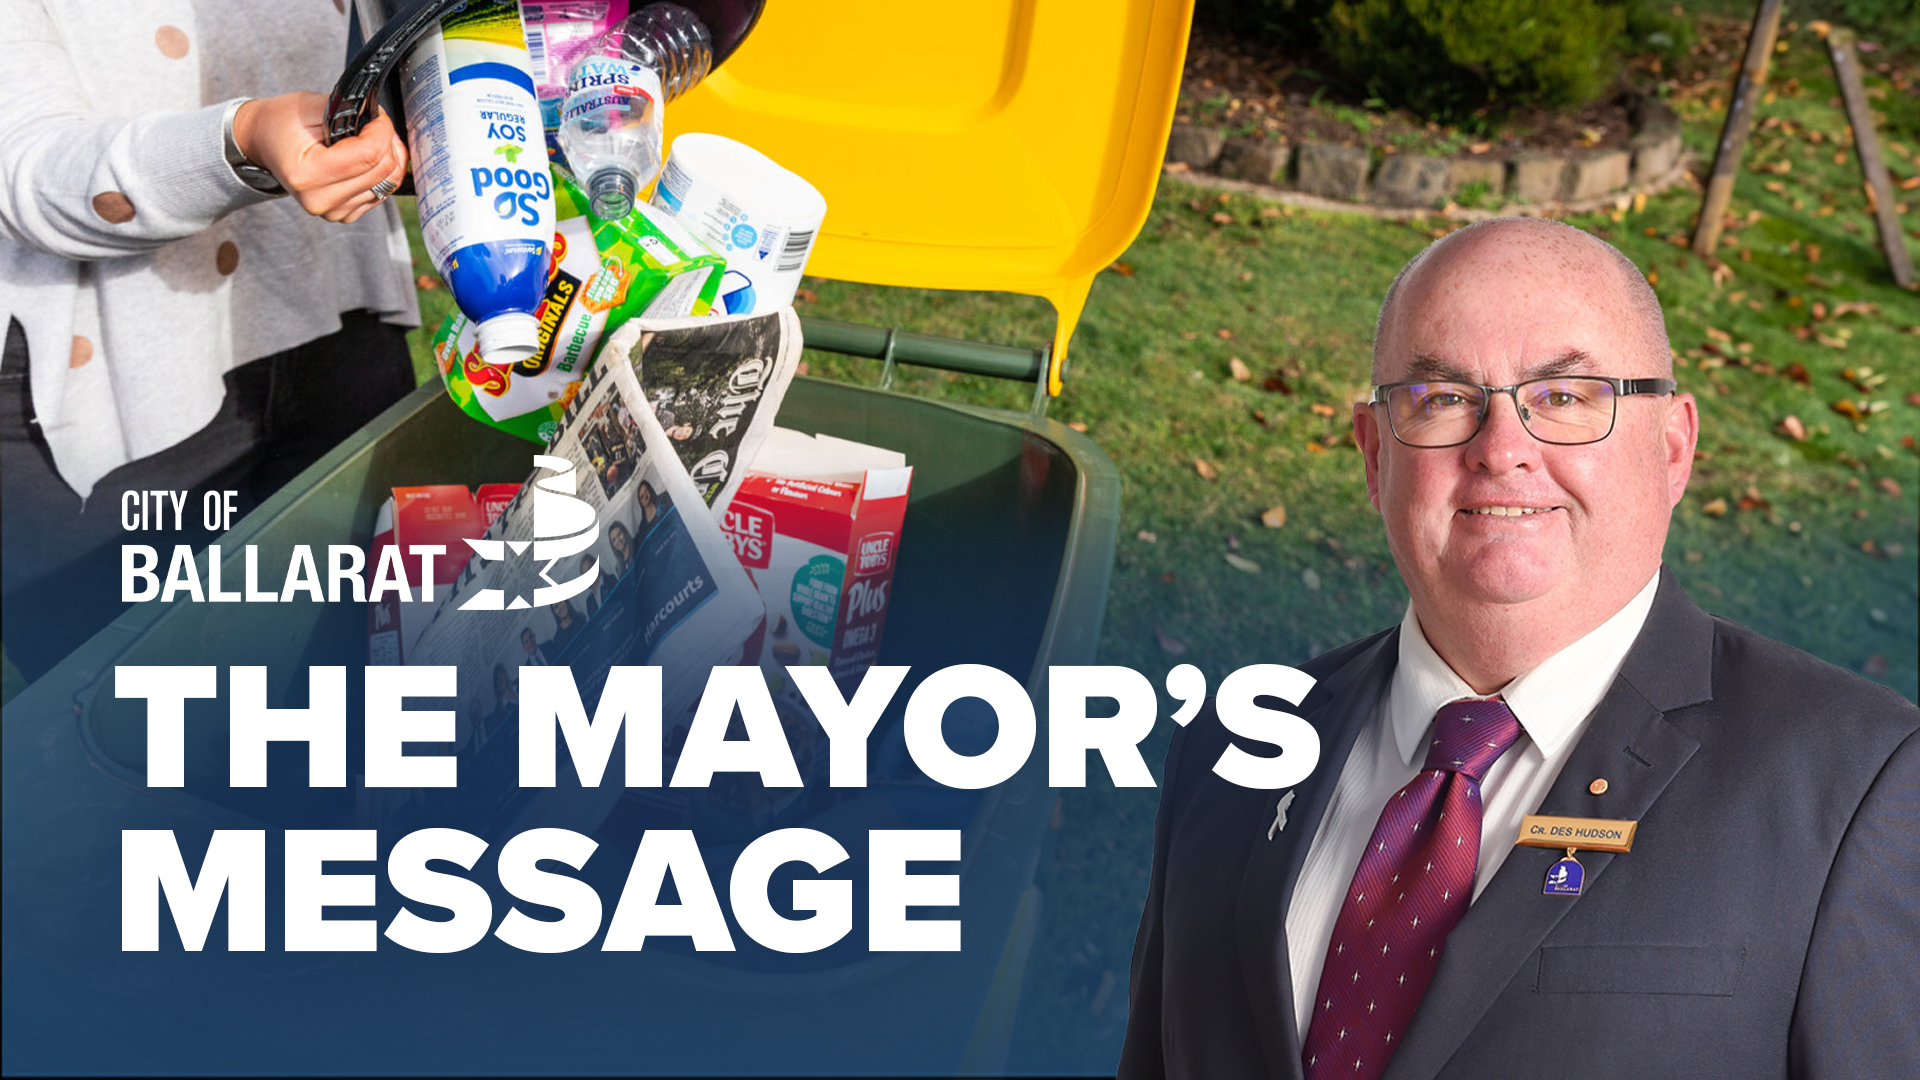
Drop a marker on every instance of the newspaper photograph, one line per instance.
(715, 384)
(608, 556)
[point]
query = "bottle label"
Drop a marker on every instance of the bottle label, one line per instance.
(480, 162)
(602, 83)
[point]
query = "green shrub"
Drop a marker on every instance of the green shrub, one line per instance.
(1286, 22)
(1890, 22)
(1447, 58)
(1652, 27)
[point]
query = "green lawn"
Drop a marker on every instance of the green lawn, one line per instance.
(1823, 555)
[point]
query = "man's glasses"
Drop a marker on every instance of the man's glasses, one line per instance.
(1566, 410)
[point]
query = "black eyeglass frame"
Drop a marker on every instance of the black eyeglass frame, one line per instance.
(1621, 388)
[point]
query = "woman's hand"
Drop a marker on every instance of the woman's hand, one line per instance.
(286, 136)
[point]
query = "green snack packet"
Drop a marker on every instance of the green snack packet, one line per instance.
(602, 273)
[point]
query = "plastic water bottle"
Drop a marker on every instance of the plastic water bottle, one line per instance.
(612, 123)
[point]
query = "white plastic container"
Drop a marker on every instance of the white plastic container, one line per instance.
(480, 168)
(739, 202)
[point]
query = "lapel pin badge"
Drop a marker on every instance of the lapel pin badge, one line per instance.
(1567, 877)
(1280, 816)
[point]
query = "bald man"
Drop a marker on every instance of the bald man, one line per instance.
(1733, 883)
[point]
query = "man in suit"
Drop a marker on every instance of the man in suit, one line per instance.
(1525, 447)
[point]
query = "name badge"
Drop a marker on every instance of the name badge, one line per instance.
(1567, 877)
(1592, 834)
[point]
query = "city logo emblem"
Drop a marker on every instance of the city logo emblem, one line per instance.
(564, 525)
(1565, 877)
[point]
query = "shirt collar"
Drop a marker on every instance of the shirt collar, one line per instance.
(1552, 701)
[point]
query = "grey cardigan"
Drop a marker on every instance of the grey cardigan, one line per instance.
(140, 266)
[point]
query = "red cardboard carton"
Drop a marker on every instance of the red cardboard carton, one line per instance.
(435, 515)
(817, 524)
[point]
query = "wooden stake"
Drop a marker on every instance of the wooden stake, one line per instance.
(1733, 136)
(1846, 70)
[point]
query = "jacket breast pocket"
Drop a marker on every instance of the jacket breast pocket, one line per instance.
(1707, 970)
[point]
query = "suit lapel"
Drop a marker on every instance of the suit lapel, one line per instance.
(1347, 699)
(1630, 742)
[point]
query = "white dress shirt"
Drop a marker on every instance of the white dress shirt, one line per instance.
(1553, 703)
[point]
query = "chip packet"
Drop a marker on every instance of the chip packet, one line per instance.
(601, 275)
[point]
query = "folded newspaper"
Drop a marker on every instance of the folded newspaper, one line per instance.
(715, 385)
(609, 555)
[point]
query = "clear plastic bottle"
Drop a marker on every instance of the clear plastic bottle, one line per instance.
(612, 124)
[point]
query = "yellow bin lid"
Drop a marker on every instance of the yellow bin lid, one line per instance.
(1003, 145)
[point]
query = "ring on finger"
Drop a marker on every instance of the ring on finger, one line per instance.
(384, 188)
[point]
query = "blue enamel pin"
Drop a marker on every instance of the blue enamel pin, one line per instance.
(1565, 877)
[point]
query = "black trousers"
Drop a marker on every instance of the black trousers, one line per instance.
(60, 558)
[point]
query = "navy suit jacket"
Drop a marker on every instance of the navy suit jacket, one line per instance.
(1765, 924)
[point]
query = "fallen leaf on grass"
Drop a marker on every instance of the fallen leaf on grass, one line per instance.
(1239, 369)
(1078, 425)
(1820, 28)
(1849, 409)
(1172, 646)
(805, 296)
(1242, 563)
(1123, 269)
(1223, 334)
(1914, 398)
(1205, 469)
(1716, 508)
(1147, 536)
(1793, 429)
(1316, 447)
(1259, 418)
(1813, 253)
(1221, 217)
(1321, 408)
(1819, 310)
(1718, 334)
(1889, 485)
(1277, 383)
(1311, 579)
(1189, 335)
(1830, 341)
(1274, 517)
(1752, 500)
(1855, 307)
(426, 283)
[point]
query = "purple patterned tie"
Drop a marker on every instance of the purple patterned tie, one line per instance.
(1412, 886)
